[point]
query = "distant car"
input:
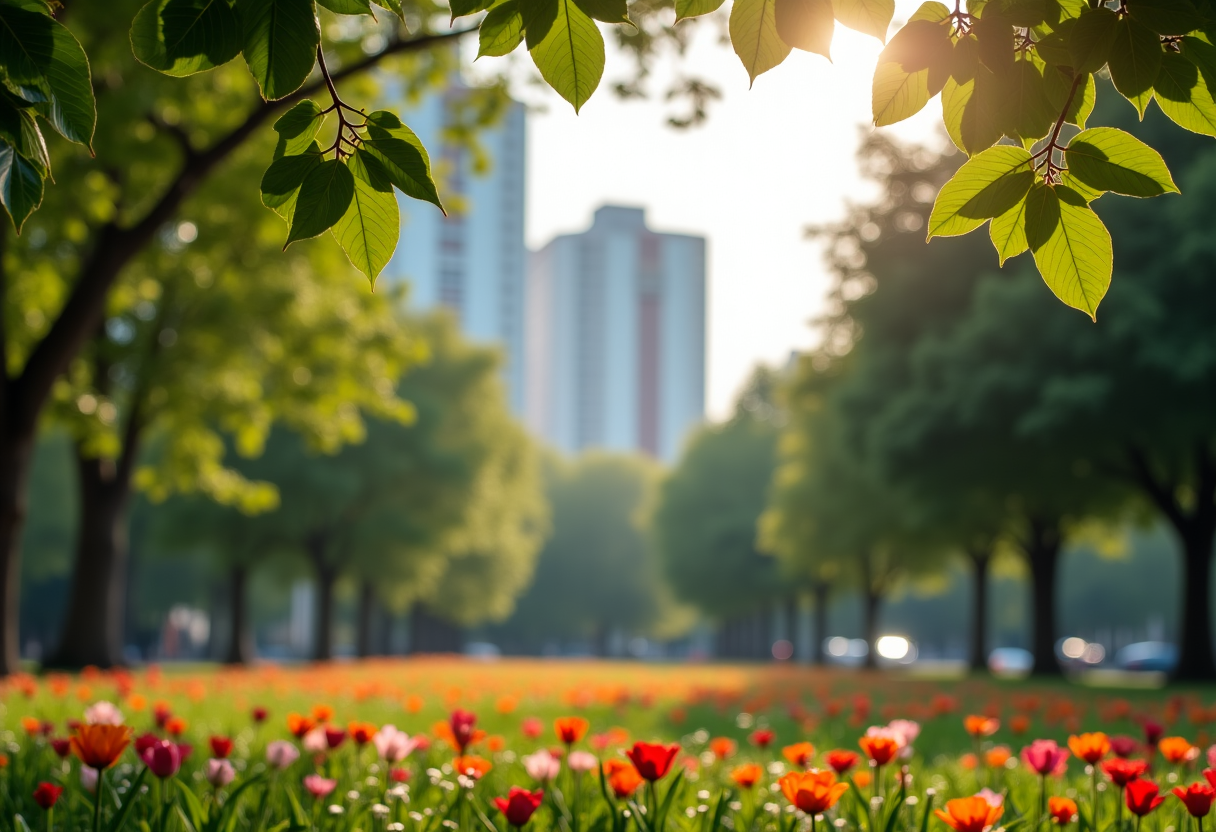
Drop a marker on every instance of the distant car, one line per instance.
(1160, 656)
(1010, 661)
(482, 650)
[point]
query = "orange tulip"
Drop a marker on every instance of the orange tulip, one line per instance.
(1090, 747)
(799, 754)
(1062, 810)
(322, 713)
(570, 729)
(814, 792)
(100, 746)
(747, 775)
(361, 732)
(981, 726)
(881, 750)
(299, 725)
(1020, 724)
(1177, 750)
(861, 779)
(472, 766)
(32, 725)
(723, 748)
(997, 757)
(622, 777)
(970, 814)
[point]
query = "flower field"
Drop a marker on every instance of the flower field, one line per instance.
(432, 745)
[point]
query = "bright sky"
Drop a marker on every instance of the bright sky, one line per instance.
(769, 162)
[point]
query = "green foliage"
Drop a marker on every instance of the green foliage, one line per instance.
(704, 522)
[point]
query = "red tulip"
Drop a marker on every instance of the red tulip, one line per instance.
(1197, 797)
(221, 747)
(46, 794)
(762, 737)
(62, 747)
(334, 736)
(162, 758)
(259, 714)
(1142, 797)
(1123, 746)
(841, 760)
(652, 760)
(519, 804)
(462, 724)
(1121, 771)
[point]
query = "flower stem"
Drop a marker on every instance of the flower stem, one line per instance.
(97, 800)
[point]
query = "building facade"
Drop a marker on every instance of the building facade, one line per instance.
(615, 341)
(473, 260)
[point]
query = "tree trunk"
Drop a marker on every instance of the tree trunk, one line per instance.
(821, 591)
(93, 630)
(327, 576)
(1043, 553)
(980, 561)
(363, 633)
(873, 600)
(1195, 661)
(792, 621)
(241, 646)
(16, 453)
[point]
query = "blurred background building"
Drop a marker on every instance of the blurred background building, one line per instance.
(483, 282)
(616, 337)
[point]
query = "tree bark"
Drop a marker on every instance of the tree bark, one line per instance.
(872, 599)
(317, 544)
(93, 630)
(821, 591)
(241, 646)
(980, 560)
(16, 453)
(792, 621)
(1042, 548)
(364, 638)
(1195, 529)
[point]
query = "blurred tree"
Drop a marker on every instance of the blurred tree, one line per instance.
(213, 332)
(158, 141)
(389, 511)
(704, 523)
(597, 576)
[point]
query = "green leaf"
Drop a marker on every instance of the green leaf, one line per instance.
(283, 179)
(46, 65)
(921, 44)
(973, 121)
(753, 34)
(1135, 62)
(931, 10)
(210, 28)
(986, 186)
(994, 38)
(609, 11)
(369, 229)
(460, 8)
(400, 152)
(898, 94)
(1057, 81)
(280, 43)
(393, 6)
(806, 25)
(1182, 93)
(297, 128)
(1091, 38)
(870, 17)
(148, 45)
(325, 194)
(1109, 159)
(20, 185)
(501, 31)
(695, 8)
(19, 128)
(1068, 180)
(348, 6)
(570, 56)
(1008, 232)
(1025, 99)
(1166, 17)
(1071, 246)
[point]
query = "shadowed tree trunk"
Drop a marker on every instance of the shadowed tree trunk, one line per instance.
(792, 619)
(364, 636)
(1194, 524)
(92, 633)
(317, 545)
(241, 648)
(819, 633)
(1042, 548)
(872, 601)
(981, 558)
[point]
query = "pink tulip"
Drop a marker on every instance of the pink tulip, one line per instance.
(319, 786)
(1045, 757)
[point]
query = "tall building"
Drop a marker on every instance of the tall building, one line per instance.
(616, 337)
(473, 260)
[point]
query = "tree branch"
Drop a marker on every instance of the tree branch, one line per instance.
(1156, 490)
(115, 246)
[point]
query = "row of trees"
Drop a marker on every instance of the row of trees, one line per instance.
(955, 411)
(218, 368)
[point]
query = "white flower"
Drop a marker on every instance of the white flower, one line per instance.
(991, 797)
(103, 713)
(380, 810)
